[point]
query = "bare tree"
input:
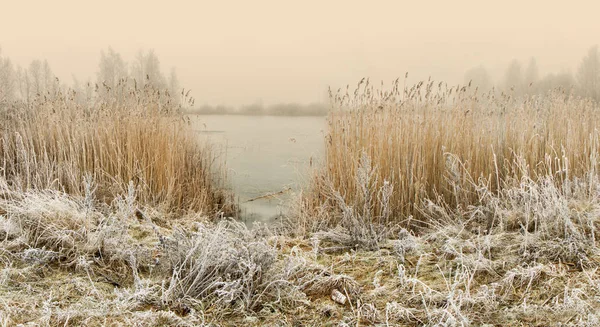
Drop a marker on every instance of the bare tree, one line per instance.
(513, 78)
(153, 73)
(588, 74)
(20, 85)
(7, 79)
(35, 78)
(50, 81)
(138, 68)
(146, 70)
(531, 77)
(24, 84)
(563, 81)
(112, 70)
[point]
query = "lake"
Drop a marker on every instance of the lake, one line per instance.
(264, 155)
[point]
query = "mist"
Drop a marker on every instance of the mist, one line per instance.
(238, 53)
(309, 163)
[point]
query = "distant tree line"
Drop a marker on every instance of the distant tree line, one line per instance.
(26, 84)
(519, 80)
(38, 80)
(282, 109)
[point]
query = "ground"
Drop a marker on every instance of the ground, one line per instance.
(70, 261)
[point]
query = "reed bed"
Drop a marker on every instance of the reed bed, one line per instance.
(510, 239)
(127, 135)
(432, 142)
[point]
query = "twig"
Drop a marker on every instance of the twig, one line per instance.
(268, 195)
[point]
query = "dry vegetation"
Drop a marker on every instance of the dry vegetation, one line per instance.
(72, 260)
(136, 135)
(431, 142)
(433, 208)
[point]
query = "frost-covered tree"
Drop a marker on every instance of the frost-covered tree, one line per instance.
(588, 74)
(153, 72)
(111, 70)
(146, 70)
(24, 85)
(35, 78)
(563, 81)
(513, 78)
(51, 85)
(7, 79)
(532, 76)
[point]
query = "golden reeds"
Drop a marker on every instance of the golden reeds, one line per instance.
(132, 135)
(436, 142)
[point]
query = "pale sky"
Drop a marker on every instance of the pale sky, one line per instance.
(240, 52)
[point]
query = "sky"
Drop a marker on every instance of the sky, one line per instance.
(241, 52)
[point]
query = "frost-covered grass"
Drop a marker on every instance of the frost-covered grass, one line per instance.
(107, 218)
(527, 255)
(431, 140)
(131, 134)
(71, 260)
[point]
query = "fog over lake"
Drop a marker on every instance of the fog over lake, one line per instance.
(264, 155)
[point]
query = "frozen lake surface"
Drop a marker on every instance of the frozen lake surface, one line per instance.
(264, 155)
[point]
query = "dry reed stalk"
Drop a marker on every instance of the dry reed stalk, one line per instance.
(136, 135)
(440, 143)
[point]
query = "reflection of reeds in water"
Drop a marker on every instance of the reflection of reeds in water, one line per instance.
(436, 142)
(131, 134)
